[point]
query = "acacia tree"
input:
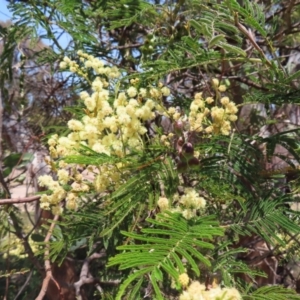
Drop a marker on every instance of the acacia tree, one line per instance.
(152, 165)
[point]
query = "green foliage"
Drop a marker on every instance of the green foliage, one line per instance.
(184, 45)
(164, 247)
(272, 292)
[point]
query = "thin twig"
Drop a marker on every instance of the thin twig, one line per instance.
(49, 275)
(251, 83)
(250, 38)
(19, 200)
(125, 47)
(24, 285)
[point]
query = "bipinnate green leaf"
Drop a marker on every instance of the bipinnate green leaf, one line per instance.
(272, 293)
(167, 248)
(232, 49)
(215, 40)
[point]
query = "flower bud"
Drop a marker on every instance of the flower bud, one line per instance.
(215, 82)
(194, 163)
(187, 150)
(178, 127)
(182, 166)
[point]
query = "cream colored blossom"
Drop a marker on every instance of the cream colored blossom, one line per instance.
(232, 118)
(185, 296)
(209, 100)
(188, 213)
(71, 201)
(80, 187)
(224, 101)
(222, 88)
(191, 199)
(231, 108)
(58, 194)
(66, 59)
(196, 287)
(75, 125)
(194, 107)
(71, 204)
(176, 116)
(83, 95)
(133, 103)
(45, 180)
(45, 205)
(78, 177)
(231, 294)
(90, 103)
(143, 92)
(209, 129)
(132, 92)
(163, 203)
(198, 291)
(165, 91)
(52, 142)
(198, 96)
(63, 65)
(150, 104)
(56, 210)
(63, 176)
(183, 279)
(155, 93)
(215, 82)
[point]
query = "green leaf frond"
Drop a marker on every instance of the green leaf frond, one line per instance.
(265, 217)
(272, 293)
(227, 266)
(172, 245)
(150, 174)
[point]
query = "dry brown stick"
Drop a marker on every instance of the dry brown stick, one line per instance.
(288, 13)
(19, 200)
(2, 181)
(243, 29)
(1, 120)
(85, 276)
(251, 83)
(49, 275)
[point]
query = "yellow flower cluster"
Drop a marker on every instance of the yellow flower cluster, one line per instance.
(110, 127)
(89, 61)
(113, 124)
(163, 203)
(213, 120)
(187, 204)
(109, 175)
(197, 291)
(16, 247)
(167, 139)
(53, 200)
(191, 199)
(183, 279)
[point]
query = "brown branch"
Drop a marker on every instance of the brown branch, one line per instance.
(85, 276)
(125, 46)
(19, 200)
(288, 13)
(250, 38)
(49, 275)
(1, 120)
(251, 83)
(287, 31)
(27, 281)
